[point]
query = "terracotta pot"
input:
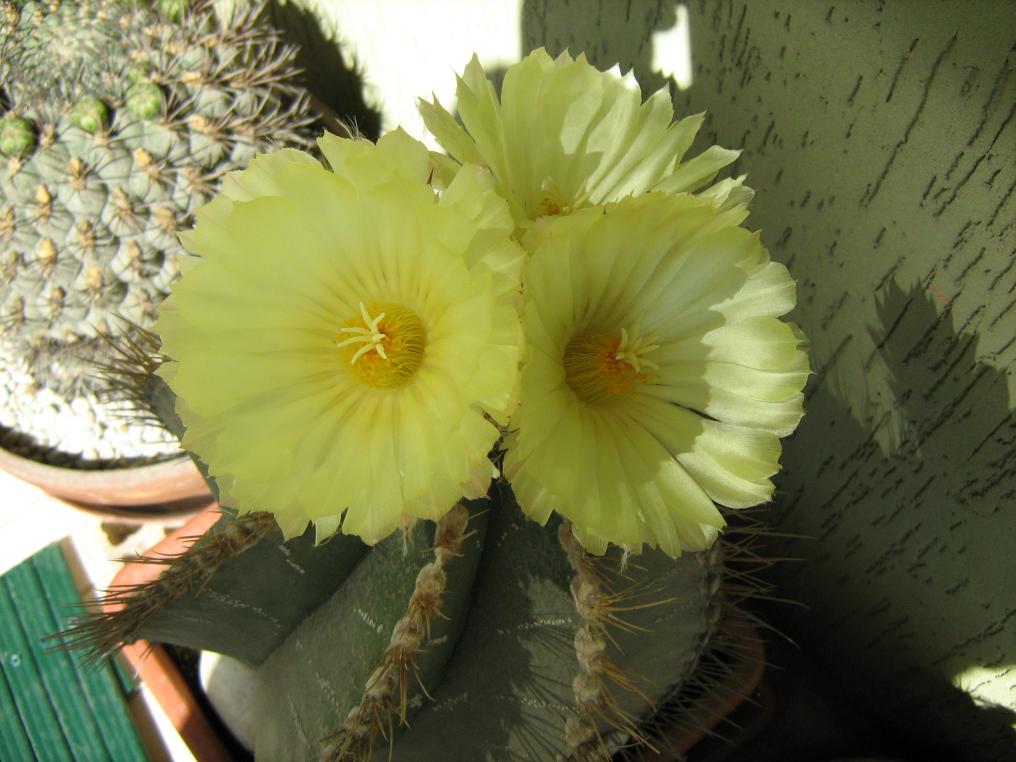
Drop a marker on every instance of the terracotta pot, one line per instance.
(144, 492)
(154, 665)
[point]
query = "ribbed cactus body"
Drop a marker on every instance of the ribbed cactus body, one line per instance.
(482, 636)
(119, 123)
(508, 668)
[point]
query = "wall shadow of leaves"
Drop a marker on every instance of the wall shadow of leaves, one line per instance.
(900, 536)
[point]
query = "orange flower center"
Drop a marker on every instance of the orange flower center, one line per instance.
(551, 208)
(599, 366)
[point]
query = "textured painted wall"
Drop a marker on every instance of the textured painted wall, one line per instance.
(881, 138)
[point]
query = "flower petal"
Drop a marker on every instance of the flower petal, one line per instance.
(271, 400)
(642, 458)
(564, 136)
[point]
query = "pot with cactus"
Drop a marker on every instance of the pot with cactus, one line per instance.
(117, 120)
(481, 423)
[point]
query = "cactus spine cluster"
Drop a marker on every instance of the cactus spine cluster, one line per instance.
(116, 123)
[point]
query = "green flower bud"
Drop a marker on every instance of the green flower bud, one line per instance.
(16, 136)
(174, 10)
(139, 71)
(145, 100)
(90, 114)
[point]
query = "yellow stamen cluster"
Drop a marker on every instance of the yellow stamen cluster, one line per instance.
(632, 349)
(389, 347)
(599, 366)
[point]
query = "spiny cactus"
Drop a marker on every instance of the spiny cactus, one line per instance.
(117, 122)
(484, 635)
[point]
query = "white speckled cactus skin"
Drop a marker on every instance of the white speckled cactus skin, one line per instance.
(116, 123)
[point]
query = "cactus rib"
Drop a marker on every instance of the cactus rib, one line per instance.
(387, 690)
(600, 608)
(739, 561)
(116, 618)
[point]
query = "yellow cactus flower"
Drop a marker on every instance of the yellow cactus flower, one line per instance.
(564, 135)
(658, 376)
(340, 347)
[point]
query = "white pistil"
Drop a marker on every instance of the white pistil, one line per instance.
(368, 335)
(633, 350)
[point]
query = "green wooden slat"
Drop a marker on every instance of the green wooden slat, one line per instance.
(124, 675)
(25, 680)
(14, 743)
(101, 687)
(59, 676)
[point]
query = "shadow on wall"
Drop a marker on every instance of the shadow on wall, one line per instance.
(900, 537)
(334, 86)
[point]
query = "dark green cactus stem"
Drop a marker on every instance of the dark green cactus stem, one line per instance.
(90, 114)
(145, 100)
(529, 652)
(17, 137)
(482, 636)
(484, 621)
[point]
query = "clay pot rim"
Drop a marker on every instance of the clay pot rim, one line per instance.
(167, 482)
